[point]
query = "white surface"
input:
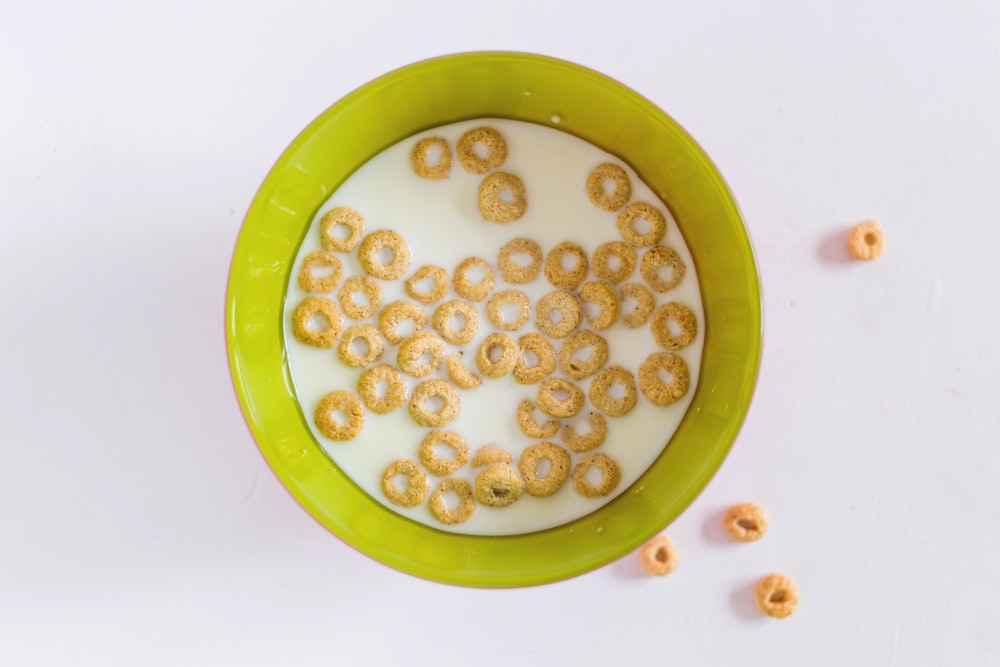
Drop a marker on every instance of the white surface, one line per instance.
(142, 527)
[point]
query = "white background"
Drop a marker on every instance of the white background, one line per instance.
(139, 523)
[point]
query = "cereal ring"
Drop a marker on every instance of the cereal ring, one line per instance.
(459, 374)
(597, 191)
(746, 522)
(526, 420)
(374, 342)
(497, 355)
(395, 314)
(651, 215)
(558, 397)
(339, 401)
(610, 475)
(644, 302)
(420, 158)
(490, 140)
(438, 277)
(551, 480)
(513, 272)
(569, 314)
(502, 198)
(509, 297)
(462, 511)
(866, 241)
(396, 391)
(451, 403)
(303, 315)
(467, 289)
(658, 258)
(367, 288)
(584, 442)
(659, 556)
(536, 345)
(577, 368)
(600, 387)
(443, 466)
(416, 483)
(654, 388)
(370, 254)
(488, 454)
(421, 354)
(614, 261)
(310, 282)
(442, 320)
(683, 320)
(337, 217)
(776, 595)
(556, 271)
(603, 296)
(498, 485)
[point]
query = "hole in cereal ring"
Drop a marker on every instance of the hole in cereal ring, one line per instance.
(662, 555)
(777, 596)
(747, 524)
(870, 238)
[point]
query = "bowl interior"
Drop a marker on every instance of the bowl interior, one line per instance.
(527, 88)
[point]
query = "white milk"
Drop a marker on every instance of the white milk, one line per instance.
(442, 223)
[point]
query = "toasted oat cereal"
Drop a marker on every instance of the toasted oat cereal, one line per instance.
(601, 388)
(502, 198)
(598, 193)
(498, 485)
(442, 322)
(509, 297)
(451, 403)
(325, 310)
(556, 271)
(420, 355)
(776, 595)
(569, 311)
(310, 282)
(558, 397)
(658, 258)
(459, 374)
(745, 522)
(638, 315)
(603, 296)
(569, 357)
(326, 419)
(488, 454)
(489, 139)
(659, 556)
(396, 392)
(497, 355)
(866, 241)
(610, 475)
(373, 342)
(544, 484)
(454, 515)
(515, 273)
(359, 285)
(651, 215)
(420, 158)
(654, 388)
(473, 291)
(416, 483)
(614, 261)
(584, 442)
(395, 314)
(537, 346)
(435, 463)
(370, 254)
(682, 318)
(438, 277)
(337, 217)
(531, 427)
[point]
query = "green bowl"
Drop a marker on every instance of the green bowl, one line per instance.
(445, 90)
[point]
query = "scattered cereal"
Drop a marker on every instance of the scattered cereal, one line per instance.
(556, 471)
(569, 357)
(420, 158)
(658, 258)
(643, 309)
(396, 391)
(439, 507)
(866, 241)
(513, 272)
(498, 485)
(370, 254)
(531, 427)
(473, 291)
(776, 595)
(326, 419)
(537, 346)
(502, 198)
(439, 391)
(435, 463)
(373, 342)
(603, 296)
(488, 454)
(395, 314)
(337, 217)
(487, 138)
(614, 261)
(682, 318)
(558, 397)
(746, 522)
(310, 282)
(602, 390)
(323, 309)
(584, 442)
(598, 193)
(510, 297)
(359, 285)
(558, 273)
(497, 355)
(659, 556)
(420, 355)
(569, 313)
(466, 314)
(459, 374)
(655, 389)
(416, 483)
(439, 279)
(610, 475)
(657, 224)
